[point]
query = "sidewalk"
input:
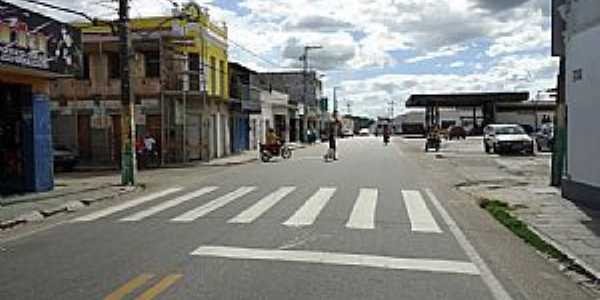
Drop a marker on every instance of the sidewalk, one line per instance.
(573, 230)
(79, 189)
(73, 191)
(523, 181)
(236, 159)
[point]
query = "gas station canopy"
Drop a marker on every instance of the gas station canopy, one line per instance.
(464, 100)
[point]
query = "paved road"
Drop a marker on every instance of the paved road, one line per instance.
(373, 225)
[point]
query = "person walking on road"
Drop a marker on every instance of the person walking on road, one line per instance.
(332, 153)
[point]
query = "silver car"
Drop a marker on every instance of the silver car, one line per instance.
(507, 138)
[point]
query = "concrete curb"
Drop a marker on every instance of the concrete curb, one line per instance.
(67, 207)
(32, 198)
(233, 163)
(578, 261)
(574, 258)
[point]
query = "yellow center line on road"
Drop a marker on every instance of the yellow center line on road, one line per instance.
(160, 287)
(129, 287)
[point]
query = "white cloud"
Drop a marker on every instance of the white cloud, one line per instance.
(511, 73)
(457, 64)
(442, 52)
(363, 34)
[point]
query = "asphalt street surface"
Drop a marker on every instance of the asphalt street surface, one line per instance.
(373, 225)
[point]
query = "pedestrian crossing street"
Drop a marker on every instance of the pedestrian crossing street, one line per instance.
(362, 216)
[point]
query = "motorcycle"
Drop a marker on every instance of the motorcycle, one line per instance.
(386, 139)
(267, 152)
(433, 142)
(148, 159)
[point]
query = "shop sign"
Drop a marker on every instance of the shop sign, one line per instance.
(31, 40)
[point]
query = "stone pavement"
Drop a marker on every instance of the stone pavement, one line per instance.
(524, 181)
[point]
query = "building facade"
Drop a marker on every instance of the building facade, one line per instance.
(576, 40)
(305, 91)
(34, 50)
(244, 101)
(180, 86)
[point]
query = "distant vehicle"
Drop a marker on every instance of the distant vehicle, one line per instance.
(476, 131)
(347, 133)
(65, 158)
(364, 132)
(507, 138)
(544, 138)
(457, 132)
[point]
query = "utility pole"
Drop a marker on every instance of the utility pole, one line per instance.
(304, 59)
(349, 107)
(392, 105)
(335, 102)
(128, 160)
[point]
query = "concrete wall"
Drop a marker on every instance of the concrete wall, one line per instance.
(523, 117)
(583, 92)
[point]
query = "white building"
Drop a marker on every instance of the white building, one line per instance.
(581, 37)
(274, 114)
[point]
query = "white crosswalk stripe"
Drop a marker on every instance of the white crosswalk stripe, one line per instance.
(308, 213)
(256, 210)
(213, 205)
(117, 208)
(168, 204)
(363, 213)
(362, 216)
(421, 219)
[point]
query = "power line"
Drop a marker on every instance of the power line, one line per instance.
(60, 8)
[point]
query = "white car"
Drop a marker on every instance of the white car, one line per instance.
(364, 132)
(507, 138)
(347, 133)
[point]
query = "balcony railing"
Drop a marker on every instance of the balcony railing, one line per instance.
(84, 89)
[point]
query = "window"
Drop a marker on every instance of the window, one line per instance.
(222, 78)
(213, 75)
(114, 65)
(194, 68)
(152, 64)
(85, 69)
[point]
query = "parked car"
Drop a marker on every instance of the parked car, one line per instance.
(65, 158)
(364, 132)
(544, 138)
(507, 138)
(457, 132)
(347, 133)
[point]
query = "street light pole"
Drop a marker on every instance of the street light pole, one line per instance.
(305, 73)
(128, 159)
(335, 102)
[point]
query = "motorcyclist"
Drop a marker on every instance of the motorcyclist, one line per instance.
(386, 134)
(435, 133)
(273, 141)
(149, 143)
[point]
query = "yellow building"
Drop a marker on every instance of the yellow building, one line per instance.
(180, 85)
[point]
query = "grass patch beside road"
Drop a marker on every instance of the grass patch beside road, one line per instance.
(501, 212)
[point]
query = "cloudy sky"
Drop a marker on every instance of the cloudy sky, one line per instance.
(383, 50)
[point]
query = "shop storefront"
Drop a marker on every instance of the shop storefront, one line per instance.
(34, 50)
